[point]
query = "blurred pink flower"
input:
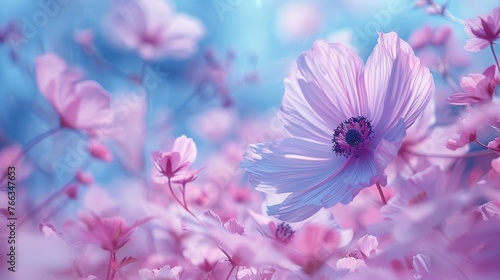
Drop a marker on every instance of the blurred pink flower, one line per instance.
(427, 35)
(109, 233)
(153, 29)
(437, 49)
(477, 118)
(80, 104)
(271, 228)
(423, 203)
(297, 20)
(478, 88)
(482, 246)
(372, 105)
(175, 162)
(367, 246)
(490, 210)
(494, 173)
(313, 245)
(164, 273)
(495, 144)
(483, 30)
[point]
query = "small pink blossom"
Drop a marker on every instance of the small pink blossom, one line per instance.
(466, 134)
(109, 233)
(495, 145)
(490, 210)
(478, 88)
(80, 104)
(175, 162)
(483, 30)
(154, 29)
(477, 118)
(367, 247)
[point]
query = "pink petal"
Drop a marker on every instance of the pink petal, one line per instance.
(234, 227)
(180, 38)
(332, 83)
(299, 119)
(125, 23)
(350, 263)
(476, 45)
(422, 265)
(293, 165)
(298, 162)
(49, 69)
(367, 244)
(420, 37)
(186, 148)
(396, 83)
(94, 113)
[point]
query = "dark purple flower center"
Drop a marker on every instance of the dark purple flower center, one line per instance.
(351, 136)
(284, 233)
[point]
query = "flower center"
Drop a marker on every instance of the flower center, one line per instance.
(351, 136)
(284, 233)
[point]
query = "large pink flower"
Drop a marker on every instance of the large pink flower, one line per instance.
(81, 104)
(346, 122)
(153, 29)
(483, 30)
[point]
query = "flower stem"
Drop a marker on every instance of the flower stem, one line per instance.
(113, 269)
(230, 272)
(486, 146)
(495, 56)
(382, 196)
(28, 147)
(178, 200)
(108, 275)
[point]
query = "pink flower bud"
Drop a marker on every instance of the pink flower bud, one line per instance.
(100, 151)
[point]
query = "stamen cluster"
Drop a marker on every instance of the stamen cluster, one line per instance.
(351, 136)
(284, 233)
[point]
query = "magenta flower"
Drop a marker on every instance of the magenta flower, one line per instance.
(174, 164)
(109, 233)
(346, 122)
(153, 29)
(483, 30)
(478, 88)
(80, 104)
